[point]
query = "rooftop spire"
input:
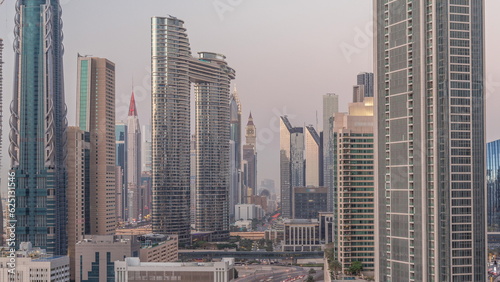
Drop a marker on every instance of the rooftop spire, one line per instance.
(250, 119)
(132, 111)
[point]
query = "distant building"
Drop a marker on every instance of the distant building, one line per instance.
(134, 170)
(146, 148)
(250, 158)
(235, 153)
(301, 235)
(159, 248)
(96, 255)
(133, 270)
(121, 171)
(493, 186)
(292, 165)
(1, 129)
(308, 202)
(248, 212)
(260, 201)
(330, 108)
(365, 79)
(313, 157)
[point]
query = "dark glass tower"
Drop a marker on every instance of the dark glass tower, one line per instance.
(38, 126)
(430, 145)
(493, 182)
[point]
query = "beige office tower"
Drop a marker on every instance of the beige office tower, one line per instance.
(313, 158)
(96, 115)
(78, 185)
(353, 141)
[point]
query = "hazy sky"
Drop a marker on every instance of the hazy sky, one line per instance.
(287, 54)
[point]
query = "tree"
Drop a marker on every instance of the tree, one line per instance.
(312, 271)
(356, 267)
(310, 278)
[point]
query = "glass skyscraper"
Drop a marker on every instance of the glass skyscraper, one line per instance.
(493, 184)
(38, 127)
(173, 70)
(430, 145)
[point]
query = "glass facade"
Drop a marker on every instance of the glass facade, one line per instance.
(493, 184)
(173, 71)
(38, 127)
(431, 140)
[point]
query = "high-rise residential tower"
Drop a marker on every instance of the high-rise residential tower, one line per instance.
(121, 171)
(38, 127)
(173, 70)
(313, 157)
(430, 145)
(133, 163)
(235, 155)
(95, 113)
(250, 158)
(354, 186)
(330, 107)
(292, 171)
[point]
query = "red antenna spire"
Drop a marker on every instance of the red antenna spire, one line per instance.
(132, 111)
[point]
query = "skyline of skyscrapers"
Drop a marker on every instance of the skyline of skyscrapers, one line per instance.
(406, 185)
(95, 113)
(430, 147)
(38, 127)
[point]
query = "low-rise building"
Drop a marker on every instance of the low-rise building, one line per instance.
(33, 264)
(159, 248)
(248, 212)
(301, 235)
(95, 255)
(133, 270)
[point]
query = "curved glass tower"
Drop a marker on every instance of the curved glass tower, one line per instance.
(173, 70)
(38, 126)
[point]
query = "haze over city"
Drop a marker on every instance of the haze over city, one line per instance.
(286, 54)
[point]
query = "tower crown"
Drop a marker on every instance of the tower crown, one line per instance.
(132, 111)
